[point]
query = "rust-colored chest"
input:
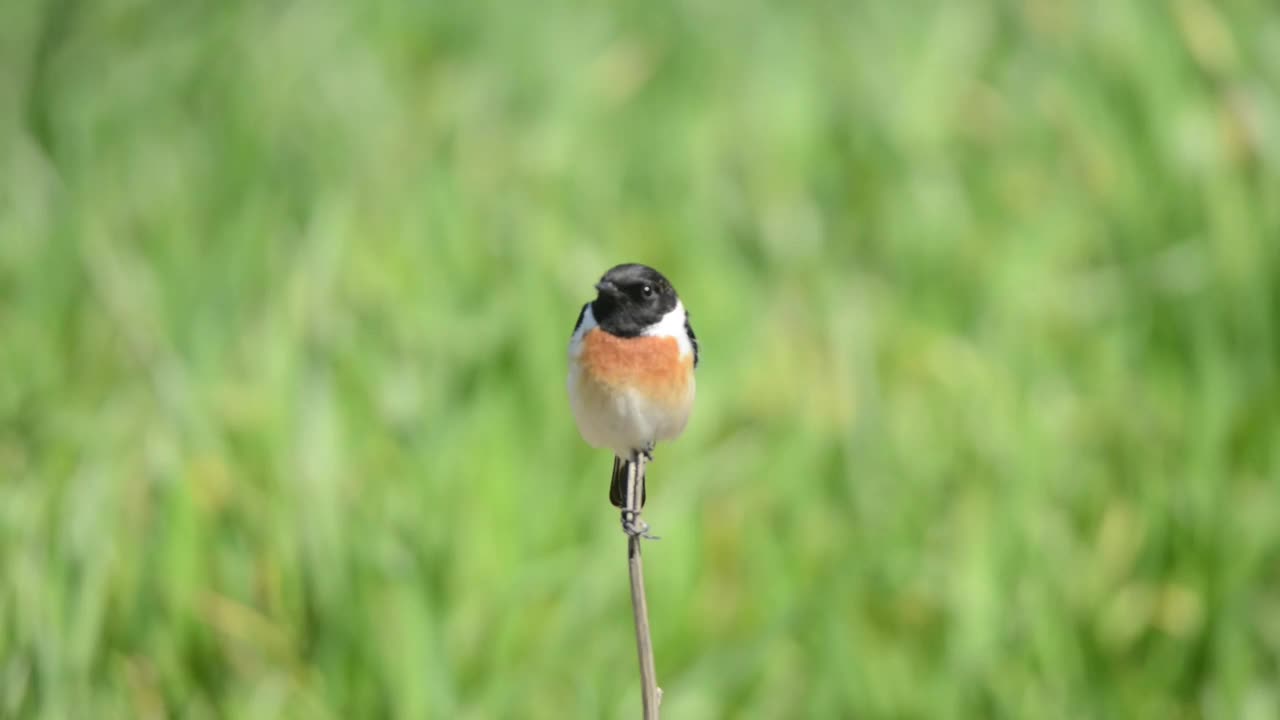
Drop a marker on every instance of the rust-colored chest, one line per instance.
(651, 365)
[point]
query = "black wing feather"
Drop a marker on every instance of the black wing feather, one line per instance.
(693, 339)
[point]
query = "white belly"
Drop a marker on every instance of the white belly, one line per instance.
(622, 420)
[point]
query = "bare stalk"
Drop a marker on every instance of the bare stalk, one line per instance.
(650, 694)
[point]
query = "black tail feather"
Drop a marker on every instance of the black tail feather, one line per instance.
(618, 485)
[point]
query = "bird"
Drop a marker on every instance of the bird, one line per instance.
(631, 384)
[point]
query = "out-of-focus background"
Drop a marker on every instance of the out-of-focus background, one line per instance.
(989, 409)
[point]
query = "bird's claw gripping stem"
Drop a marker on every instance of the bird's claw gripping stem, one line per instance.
(633, 526)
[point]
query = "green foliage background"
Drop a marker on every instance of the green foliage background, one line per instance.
(988, 419)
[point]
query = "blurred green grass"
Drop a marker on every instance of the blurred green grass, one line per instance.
(988, 425)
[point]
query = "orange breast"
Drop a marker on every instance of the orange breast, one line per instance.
(651, 365)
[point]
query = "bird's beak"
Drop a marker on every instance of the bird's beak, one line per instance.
(604, 287)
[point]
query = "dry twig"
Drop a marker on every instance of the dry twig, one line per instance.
(650, 693)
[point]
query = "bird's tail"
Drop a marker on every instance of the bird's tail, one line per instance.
(621, 483)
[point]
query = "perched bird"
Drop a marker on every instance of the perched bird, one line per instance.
(631, 385)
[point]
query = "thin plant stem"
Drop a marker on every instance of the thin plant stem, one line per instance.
(650, 694)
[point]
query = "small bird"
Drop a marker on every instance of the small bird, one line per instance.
(631, 385)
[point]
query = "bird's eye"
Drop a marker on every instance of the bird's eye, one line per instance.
(647, 290)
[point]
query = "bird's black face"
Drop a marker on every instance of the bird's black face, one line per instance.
(631, 298)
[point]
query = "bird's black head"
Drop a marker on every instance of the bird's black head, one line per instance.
(631, 298)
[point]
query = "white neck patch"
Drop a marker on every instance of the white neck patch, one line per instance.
(672, 325)
(588, 324)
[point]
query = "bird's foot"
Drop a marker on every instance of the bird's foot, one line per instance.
(633, 526)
